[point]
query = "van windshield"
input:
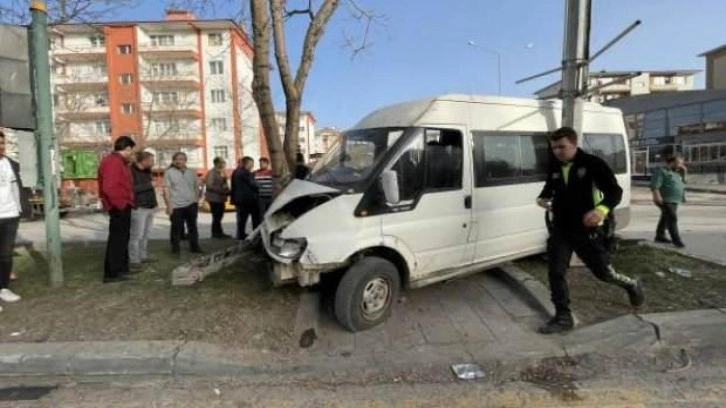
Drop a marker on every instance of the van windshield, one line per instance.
(354, 156)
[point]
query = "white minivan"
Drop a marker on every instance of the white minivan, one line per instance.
(424, 191)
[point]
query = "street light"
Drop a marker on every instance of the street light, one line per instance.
(473, 44)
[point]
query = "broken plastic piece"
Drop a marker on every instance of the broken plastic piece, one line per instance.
(468, 371)
(660, 274)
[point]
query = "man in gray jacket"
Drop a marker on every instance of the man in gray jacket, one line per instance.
(182, 195)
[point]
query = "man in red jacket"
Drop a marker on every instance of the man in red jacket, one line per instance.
(117, 196)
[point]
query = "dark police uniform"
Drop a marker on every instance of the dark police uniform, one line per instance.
(575, 189)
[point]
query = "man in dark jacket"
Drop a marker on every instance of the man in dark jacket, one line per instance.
(245, 196)
(142, 216)
(13, 204)
(581, 190)
(117, 196)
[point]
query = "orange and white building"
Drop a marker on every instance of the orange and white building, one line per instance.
(180, 84)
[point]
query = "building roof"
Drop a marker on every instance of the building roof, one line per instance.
(610, 74)
(664, 100)
(713, 51)
(211, 24)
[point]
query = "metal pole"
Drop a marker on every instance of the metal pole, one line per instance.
(499, 62)
(574, 62)
(40, 68)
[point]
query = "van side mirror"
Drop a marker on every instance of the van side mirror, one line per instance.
(389, 182)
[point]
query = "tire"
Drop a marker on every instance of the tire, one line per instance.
(372, 281)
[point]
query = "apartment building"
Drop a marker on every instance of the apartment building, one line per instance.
(179, 84)
(609, 85)
(307, 141)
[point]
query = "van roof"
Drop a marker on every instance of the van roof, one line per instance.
(413, 112)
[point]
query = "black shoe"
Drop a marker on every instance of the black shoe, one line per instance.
(637, 295)
(679, 245)
(116, 279)
(662, 240)
(558, 324)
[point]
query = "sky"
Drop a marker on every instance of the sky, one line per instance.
(420, 48)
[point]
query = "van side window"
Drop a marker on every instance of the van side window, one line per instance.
(410, 169)
(609, 147)
(509, 158)
(444, 158)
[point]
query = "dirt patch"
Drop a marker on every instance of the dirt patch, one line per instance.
(594, 301)
(236, 307)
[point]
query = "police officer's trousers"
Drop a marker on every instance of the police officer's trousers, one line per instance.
(589, 247)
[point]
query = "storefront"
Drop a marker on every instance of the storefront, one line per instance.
(692, 123)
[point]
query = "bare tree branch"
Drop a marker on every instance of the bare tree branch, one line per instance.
(308, 11)
(66, 11)
(368, 19)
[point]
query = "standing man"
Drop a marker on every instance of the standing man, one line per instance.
(575, 184)
(265, 182)
(667, 186)
(13, 204)
(117, 196)
(217, 194)
(182, 195)
(245, 196)
(142, 216)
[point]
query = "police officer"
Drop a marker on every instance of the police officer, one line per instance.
(581, 190)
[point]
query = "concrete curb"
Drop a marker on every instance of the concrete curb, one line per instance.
(537, 293)
(682, 252)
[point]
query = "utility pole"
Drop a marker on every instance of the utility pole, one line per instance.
(575, 62)
(40, 70)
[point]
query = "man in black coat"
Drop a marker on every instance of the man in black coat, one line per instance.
(245, 196)
(581, 190)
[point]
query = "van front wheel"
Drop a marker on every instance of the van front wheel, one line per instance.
(366, 294)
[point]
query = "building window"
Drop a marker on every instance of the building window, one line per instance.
(161, 40)
(164, 69)
(221, 151)
(128, 108)
(103, 127)
(215, 39)
(166, 97)
(127, 79)
(166, 125)
(218, 96)
(219, 124)
(124, 49)
(301, 129)
(216, 67)
(97, 41)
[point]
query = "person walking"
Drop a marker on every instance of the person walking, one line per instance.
(245, 196)
(581, 190)
(142, 216)
(217, 194)
(117, 197)
(265, 183)
(14, 204)
(667, 185)
(181, 196)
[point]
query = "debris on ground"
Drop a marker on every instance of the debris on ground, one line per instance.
(684, 273)
(660, 274)
(468, 371)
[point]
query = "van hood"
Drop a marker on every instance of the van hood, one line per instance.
(300, 188)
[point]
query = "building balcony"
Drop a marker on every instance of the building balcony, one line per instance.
(186, 50)
(78, 53)
(665, 87)
(614, 88)
(161, 111)
(82, 113)
(89, 142)
(181, 80)
(173, 141)
(74, 83)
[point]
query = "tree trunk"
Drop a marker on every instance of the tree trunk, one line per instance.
(261, 93)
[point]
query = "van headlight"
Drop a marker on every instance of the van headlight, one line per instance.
(290, 248)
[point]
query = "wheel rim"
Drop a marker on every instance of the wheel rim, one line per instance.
(376, 297)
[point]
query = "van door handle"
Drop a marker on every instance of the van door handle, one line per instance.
(467, 202)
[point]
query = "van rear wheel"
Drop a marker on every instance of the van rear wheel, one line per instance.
(365, 296)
